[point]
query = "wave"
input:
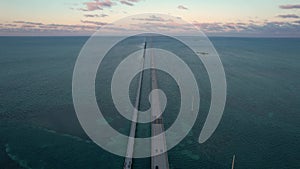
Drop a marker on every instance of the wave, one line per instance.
(15, 158)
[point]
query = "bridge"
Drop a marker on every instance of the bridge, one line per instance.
(159, 156)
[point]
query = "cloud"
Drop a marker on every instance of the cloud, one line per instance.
(170, 27)
(129, 2)
(73, 28)
(269, 29)
(182, 7)
(31, 28)
(126, 3)
(101, 4)
(93, 22)
(87, 27)
(29, 23)
(9, 25)
(97, 5)
(153, 18)
(63, 27)
(297, 6)
(28, 26)
(95, 15)
(288, 16)
(297, 22)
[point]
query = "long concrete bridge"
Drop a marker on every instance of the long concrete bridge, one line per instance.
(159, 156)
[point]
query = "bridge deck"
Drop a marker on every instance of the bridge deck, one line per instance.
(130, 146)
(158, 143)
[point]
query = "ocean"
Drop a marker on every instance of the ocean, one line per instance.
(260, 125)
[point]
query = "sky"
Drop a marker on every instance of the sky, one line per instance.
(267, 18)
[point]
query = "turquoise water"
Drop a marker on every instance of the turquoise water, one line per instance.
(260, 125)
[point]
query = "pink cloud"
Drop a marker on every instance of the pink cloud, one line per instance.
(93, 22)
(97, 5)
(267, 28)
